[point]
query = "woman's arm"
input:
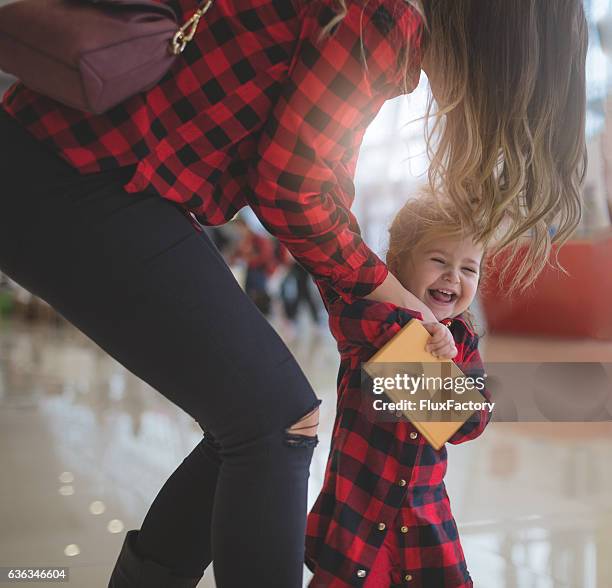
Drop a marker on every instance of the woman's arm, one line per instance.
(318, 122)
(391, 290)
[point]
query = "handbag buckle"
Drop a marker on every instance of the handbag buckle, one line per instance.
(188, 30)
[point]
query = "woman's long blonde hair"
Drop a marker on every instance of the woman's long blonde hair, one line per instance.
(508, 144)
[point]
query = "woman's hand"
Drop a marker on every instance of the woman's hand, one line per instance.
(441, 343)
(391, 290)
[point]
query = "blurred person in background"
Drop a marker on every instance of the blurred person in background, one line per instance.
(296, 288)
(257, 251)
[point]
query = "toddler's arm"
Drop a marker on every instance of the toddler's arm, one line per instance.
(472, 366)
(441, 343)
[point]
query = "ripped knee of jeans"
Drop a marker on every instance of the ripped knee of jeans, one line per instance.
(210, 440)
(303, 433)
(210, 446)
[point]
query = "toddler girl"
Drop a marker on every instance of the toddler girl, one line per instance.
(383, 517)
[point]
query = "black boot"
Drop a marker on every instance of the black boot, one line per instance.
(134, 571)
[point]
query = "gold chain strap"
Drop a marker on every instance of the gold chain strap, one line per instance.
(188, 30)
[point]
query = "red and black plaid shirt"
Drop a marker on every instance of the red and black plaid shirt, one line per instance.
(256, 112)
(383, 477)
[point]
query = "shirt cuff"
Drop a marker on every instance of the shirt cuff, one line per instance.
(353, 284)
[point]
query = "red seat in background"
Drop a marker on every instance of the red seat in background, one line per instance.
(578, 305)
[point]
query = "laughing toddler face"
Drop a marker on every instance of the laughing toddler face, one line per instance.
(443, 274)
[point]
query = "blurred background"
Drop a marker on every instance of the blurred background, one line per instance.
(86, 446)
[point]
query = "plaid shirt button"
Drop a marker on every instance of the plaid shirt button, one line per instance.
(402, 482)
(413, 435)
(407, 577)
(404, 529)
(361, 573)
(381, 526)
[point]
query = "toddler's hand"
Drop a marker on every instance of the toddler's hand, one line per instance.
(441, 343)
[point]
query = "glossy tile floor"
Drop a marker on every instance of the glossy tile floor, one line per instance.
(85, 446)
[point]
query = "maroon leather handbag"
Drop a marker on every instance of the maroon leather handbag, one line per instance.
(92, 54)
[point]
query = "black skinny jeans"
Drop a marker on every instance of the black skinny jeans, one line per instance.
(132, 273)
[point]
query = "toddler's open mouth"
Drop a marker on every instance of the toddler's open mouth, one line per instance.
(443, 296)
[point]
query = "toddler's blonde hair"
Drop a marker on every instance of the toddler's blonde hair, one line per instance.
(422, 220)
